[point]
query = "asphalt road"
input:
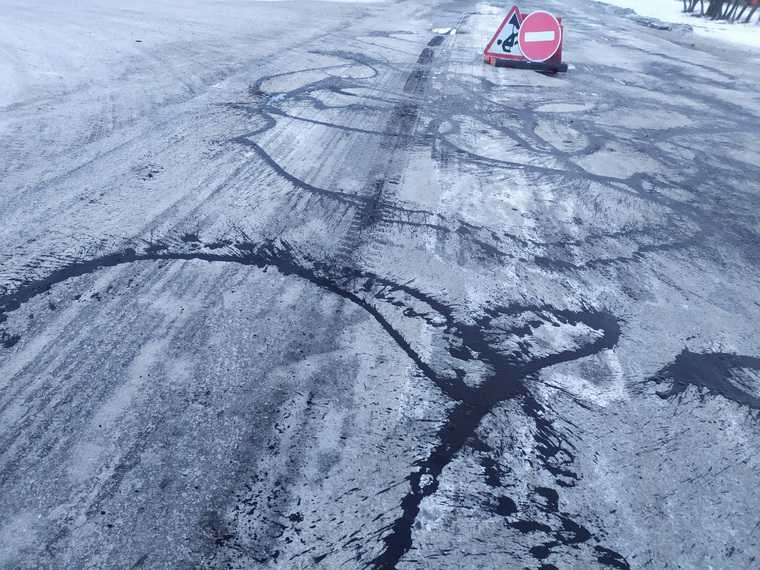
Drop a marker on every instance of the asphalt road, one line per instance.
(307, 285)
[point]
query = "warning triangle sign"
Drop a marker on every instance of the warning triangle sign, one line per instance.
(504, 43)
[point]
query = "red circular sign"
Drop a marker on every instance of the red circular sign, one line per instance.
(540, 36)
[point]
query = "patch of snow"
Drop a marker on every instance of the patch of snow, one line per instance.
(671, 11)
(489, 9)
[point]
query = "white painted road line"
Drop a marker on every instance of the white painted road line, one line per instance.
(539, 36)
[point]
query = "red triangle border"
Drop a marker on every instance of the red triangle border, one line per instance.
(506, 19)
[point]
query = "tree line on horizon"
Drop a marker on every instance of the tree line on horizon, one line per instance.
(730, 10)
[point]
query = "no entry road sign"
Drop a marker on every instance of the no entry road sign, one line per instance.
(537, 46)
(540, 36)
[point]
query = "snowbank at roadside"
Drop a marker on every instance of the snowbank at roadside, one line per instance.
(671, 11)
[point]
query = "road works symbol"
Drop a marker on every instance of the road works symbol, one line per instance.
(540, 36)
(504, 44)
(527, 42)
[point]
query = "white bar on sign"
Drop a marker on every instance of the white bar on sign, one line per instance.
(539, 36)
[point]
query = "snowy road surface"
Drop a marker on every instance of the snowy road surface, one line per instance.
(307, 285)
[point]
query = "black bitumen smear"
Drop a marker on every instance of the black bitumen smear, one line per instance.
(269, 122)
(506, 382)
(505, 506)
(8, 340)
(687, 369)
(610, 558)
(714, 373)
(426, 56)
(190, 237)
(401, 127)
(559, 527)
(466, 341)
(402, 122)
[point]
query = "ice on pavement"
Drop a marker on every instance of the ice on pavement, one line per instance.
(304, 284)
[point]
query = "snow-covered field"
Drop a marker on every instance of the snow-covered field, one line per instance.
(671, 11)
